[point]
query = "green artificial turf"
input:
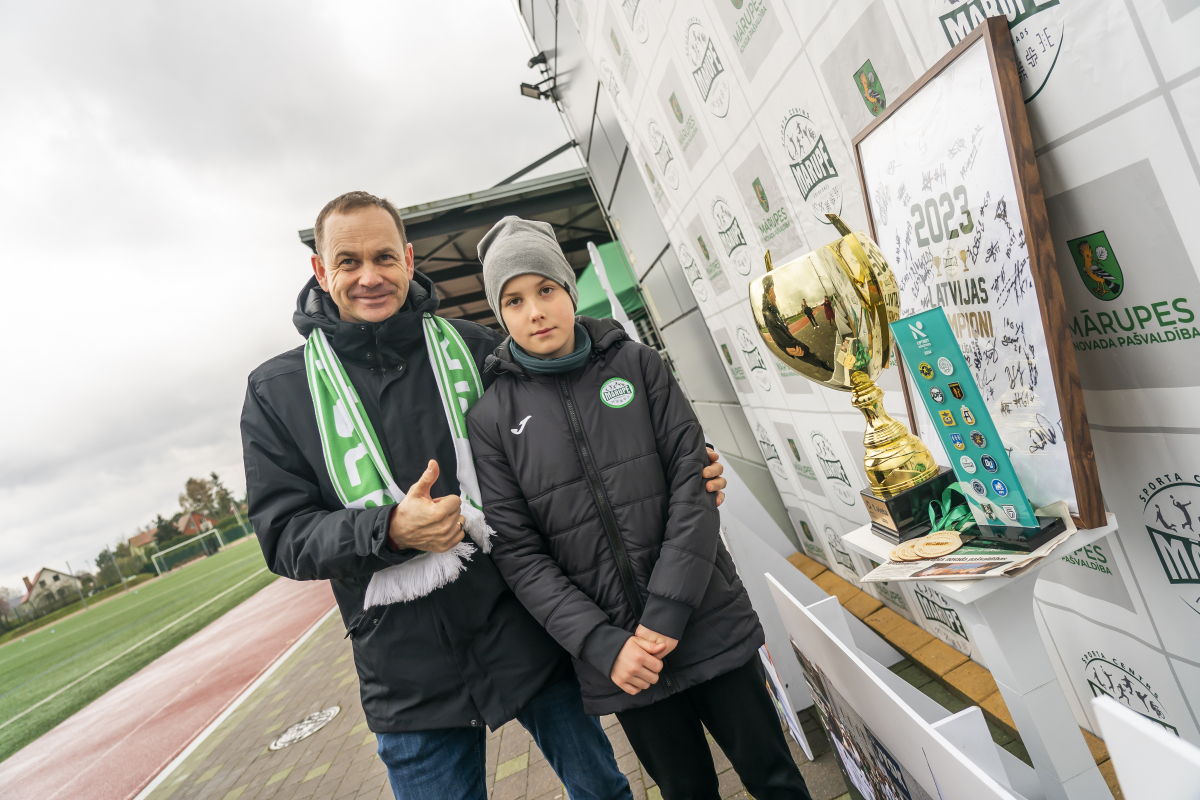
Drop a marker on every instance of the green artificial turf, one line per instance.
(53, 656)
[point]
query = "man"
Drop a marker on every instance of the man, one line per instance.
(781, 333)
(434, 670)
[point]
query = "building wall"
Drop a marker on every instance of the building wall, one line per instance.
(1113, 96)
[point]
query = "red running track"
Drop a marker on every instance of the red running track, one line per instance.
(110, 750)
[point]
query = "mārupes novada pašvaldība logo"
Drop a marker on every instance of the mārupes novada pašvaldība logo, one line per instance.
(1170, 506)
(1114, 678)
(1036, 36)
(616, 393)
(1098, 266)
(761, 195)
(811, 165)
(870, 88)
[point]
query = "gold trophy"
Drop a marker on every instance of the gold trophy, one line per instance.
(826, 315)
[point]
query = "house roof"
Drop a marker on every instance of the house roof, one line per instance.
(144, 538)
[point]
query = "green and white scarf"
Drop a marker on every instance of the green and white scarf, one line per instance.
(359, 470)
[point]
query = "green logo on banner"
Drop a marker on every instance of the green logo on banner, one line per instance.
(616, 44)
(703, 248)
(676, 108)
(870, 88)
(761, 195)
(1097, 265)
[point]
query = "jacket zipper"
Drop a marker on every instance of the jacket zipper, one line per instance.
(606, 516)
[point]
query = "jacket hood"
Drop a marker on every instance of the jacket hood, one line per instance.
(315, 309)
(605, 334)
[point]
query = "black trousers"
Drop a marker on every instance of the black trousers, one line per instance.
(737, 710)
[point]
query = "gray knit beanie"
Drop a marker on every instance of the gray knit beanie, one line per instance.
(516, 246)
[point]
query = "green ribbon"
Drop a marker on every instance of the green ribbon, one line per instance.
(945, 518)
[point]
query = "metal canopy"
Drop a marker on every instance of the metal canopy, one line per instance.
(444, 234)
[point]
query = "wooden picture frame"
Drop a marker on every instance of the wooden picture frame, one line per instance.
(1035, 227)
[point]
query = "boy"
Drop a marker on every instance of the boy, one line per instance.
(586, 451)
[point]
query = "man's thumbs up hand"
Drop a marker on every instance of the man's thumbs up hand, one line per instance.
(423, 523)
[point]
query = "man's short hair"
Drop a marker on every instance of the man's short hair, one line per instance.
(352, 201)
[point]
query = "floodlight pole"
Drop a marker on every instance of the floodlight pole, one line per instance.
(238, 517)
(78, 586)
(118, 569)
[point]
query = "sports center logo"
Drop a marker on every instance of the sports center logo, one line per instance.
(707, 70)
(730, 232)
(831, 466)
(1036, 42)
(692, 272)
(1113, 678)
(758, 366)
(811, 165)
(1097, 265)
(616, 392)
(1171, 505)
(662, 154)
(636, 17)
(770, 453)
(943, 621)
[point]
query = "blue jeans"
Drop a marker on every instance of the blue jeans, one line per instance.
(449, 764)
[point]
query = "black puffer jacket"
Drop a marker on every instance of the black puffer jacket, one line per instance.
(466, 654)
(592, 482)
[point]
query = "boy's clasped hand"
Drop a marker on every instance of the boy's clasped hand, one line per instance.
(640, 660)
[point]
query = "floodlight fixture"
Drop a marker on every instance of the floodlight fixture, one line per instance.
(536, 91)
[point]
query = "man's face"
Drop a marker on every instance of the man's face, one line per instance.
(364, 265)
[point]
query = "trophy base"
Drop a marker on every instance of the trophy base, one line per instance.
(905, 515)
(1022, 540)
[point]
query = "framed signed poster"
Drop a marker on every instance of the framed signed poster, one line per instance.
(955, 202)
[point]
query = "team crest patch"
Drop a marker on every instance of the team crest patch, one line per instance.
(1097, 265)
(616, 392)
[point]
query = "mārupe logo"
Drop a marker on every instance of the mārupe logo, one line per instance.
(1037, 44)
(770, 452)
(754, 358)
(934, 611)
(729, 230)
(870, 88)
(616, 393)
(1114, 678)
(811, 165)
(703, 248)
(707, 70)
(839, 553)
(1097, 265)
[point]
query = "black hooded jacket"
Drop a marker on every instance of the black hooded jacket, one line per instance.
(591, 480)
(465, 655)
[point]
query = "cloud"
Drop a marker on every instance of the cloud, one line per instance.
(157, 161)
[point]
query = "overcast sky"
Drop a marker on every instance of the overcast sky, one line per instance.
(156, 161)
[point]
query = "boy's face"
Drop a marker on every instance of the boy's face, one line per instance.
(540, 315)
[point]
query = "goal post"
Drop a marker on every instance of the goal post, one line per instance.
(198, 546)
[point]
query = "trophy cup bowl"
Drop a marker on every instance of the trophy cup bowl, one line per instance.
(826, 316)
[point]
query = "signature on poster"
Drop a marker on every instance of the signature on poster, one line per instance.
(1044, 434)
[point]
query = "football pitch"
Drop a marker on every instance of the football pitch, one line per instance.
(62, 667)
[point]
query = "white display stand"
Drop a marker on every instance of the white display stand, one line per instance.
(998, 612)
(1151, 764)
(891, 740)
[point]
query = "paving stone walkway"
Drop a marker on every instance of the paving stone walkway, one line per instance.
(338, 762)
